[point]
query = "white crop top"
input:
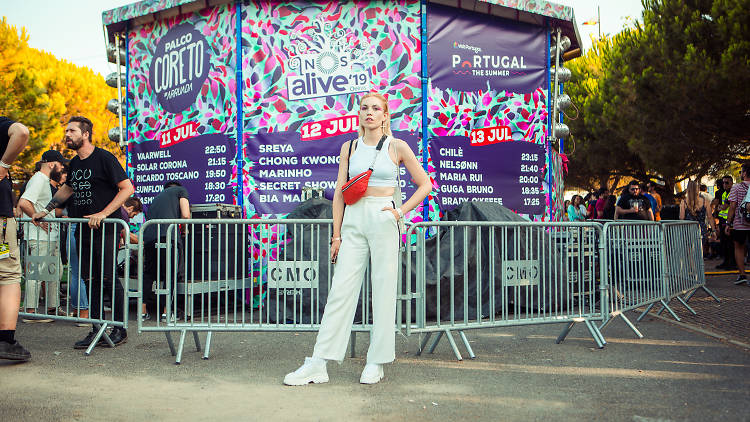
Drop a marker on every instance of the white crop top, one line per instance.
(384, 170)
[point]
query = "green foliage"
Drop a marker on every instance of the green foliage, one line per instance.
(671, 96)
(43, 92)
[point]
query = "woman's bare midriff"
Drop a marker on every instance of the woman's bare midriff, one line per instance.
(379, 191)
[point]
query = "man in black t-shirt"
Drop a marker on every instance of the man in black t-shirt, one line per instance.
(13, 139)
(97, 187)
(633, 205)
(171, 203)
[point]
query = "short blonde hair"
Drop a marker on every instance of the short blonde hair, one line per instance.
(387, 126)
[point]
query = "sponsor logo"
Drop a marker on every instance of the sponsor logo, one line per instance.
(461, 46)
(327, 61)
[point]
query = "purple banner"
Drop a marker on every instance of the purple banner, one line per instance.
(179, 67)
(469, 52)
(201, 164)
(284, 166)
(509, 173)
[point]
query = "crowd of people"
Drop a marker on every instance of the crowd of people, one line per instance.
(93, 186)
(724, 230)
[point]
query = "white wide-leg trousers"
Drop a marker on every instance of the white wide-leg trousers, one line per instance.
(366, 232)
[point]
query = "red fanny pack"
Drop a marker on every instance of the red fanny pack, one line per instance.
(355, 188)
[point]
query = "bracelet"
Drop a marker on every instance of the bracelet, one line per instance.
(4, 165)
(335, 238)
(400, 213)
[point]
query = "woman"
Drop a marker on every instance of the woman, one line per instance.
(566, 204)
(695, 207)
(609, 208)
(574, 209)
(367, 229)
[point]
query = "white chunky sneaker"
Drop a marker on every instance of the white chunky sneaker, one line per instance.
(313, 370)
(372, 373)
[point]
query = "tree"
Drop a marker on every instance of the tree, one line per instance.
(43, 92)
(599, 155)
(674, 92)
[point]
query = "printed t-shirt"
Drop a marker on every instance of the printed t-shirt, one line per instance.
(94, 182)
(737, 195)
(627, 201)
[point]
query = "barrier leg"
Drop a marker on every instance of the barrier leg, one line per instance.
(466, 344)
(424, 343)
(598, 338)
(97, 337)
(208, 345)
(435, 342)
(352, 344)
(180, 347)
(690, 295)
(705, 289)
(648, 308)
(625, 319)
(564, 333)
(453, 345)
(674, 315)
(170, 343)
(197, 341)
(686, 306)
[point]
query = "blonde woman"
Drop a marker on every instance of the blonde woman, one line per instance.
(365, 230)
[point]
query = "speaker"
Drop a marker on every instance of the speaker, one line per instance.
(216, 251)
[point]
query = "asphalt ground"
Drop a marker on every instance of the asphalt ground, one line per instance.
(673, 374)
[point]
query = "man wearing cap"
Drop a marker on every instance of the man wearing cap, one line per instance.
(13, 138)
(43, 238)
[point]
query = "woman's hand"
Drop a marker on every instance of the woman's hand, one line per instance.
(335, 245)
(393, 211)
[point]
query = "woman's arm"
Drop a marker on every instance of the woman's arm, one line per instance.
(682, 210)
(710, 214)
(417, 173)
(338, 200)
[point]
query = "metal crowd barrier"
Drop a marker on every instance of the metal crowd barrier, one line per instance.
(651, 263)
(43, 254)
(474, 275)
(635, 264)
(684, 261)
(224, 275)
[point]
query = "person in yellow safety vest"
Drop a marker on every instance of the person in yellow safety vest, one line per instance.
(727, 246)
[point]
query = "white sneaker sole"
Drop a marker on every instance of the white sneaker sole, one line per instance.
(305, 381)
(372, 381)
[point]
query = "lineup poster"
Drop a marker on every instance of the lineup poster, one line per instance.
(487, 110)
(181, 108)
(507, 172)
(285, 163)
(202, 164)
(464, 53)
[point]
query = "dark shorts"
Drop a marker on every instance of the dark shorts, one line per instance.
(740, 236)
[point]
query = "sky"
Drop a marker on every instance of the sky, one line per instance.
(75, 33)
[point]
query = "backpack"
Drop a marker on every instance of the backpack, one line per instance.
(745, 207)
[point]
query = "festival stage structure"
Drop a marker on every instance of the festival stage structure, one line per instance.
(248, 102)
